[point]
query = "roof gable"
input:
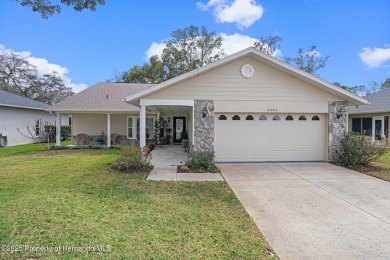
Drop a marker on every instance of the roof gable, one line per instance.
(101, 97)
(226, 83)
(264, 58)
(379, 102)
(12, 100)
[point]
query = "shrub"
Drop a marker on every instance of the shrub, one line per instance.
(133, 159)
(202, 161)
(356, 150)
(184, 135)
(65, 131)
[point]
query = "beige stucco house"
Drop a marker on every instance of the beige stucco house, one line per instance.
(372, 119)
(246, 107)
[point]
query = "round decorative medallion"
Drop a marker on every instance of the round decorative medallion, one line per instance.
(247, 70)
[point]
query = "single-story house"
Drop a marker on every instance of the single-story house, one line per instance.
(247, 107)
(372, 119)
(19, 112)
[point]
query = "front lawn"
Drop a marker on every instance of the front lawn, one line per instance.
(380, 168)
(68, 198)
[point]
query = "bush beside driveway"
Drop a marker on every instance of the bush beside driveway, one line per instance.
(379, 169)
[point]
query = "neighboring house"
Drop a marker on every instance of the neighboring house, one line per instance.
(372, 119)
(19, 112)
(246, 107)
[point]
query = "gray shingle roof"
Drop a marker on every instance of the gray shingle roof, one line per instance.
(13, 100)
(101, 97)
(379, 102)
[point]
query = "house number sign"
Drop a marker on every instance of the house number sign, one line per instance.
(272, 109)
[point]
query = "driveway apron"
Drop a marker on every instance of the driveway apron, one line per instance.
(315, 210)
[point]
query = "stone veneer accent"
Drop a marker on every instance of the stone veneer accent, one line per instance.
(203, 127)
(337, 127)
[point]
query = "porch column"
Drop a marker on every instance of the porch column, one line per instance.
(158, 130)
(58, 130)
(142, 130)
(108, 130)
(193, 125)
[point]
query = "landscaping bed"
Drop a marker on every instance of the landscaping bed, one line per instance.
(379, 169)
(142, 173)
(185, 169)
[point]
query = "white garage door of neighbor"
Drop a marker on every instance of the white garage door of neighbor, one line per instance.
(270, 137)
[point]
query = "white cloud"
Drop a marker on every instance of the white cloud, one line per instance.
(230, 43)
(243, 13)
(155, 49)
(374, 57)
(237, 42)
(44, 67)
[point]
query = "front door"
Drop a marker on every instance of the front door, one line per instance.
(179, 124)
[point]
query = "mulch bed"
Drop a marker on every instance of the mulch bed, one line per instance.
(374, 171)
(365, 169)
(181, 169)
(185, 169)
(131, 172)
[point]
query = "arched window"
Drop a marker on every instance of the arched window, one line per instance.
(263, 117)
(276, 117)
(302, 118)
(315, 118)
(236, 117)
(289, 118)
(222, 117)
(249, 117)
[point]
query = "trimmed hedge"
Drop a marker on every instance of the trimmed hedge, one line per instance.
(65, 131)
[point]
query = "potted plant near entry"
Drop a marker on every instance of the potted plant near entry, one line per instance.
(184, 140)
(100, 139)
(169, 131)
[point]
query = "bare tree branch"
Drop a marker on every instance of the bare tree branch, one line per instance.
(44, 134)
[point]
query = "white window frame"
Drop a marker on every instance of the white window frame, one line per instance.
(37, 127)
(380, 118)
(134, 126)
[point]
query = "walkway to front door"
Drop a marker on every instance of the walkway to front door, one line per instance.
(166, 158)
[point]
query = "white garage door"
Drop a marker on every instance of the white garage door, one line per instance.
(270, 137)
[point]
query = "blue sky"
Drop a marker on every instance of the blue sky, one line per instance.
(88, 47)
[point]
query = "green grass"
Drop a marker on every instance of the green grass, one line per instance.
(25, 148)
(67, 197)
(382, 165)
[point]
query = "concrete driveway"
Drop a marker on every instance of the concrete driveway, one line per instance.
(315, 210)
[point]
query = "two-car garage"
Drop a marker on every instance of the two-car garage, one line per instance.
(252, 137)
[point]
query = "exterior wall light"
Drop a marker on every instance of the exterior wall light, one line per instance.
(340, 112)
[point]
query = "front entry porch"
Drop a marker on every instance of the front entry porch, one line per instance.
(178, 113)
